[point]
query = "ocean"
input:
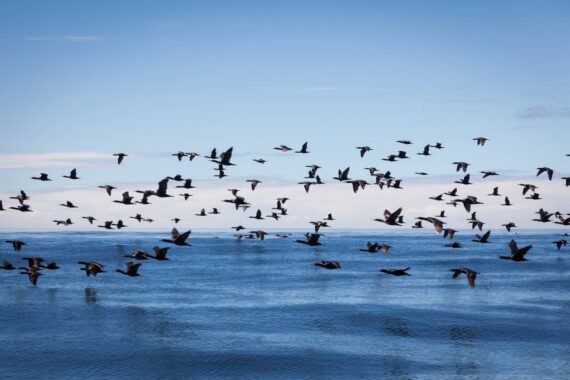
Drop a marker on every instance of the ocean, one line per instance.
(226, 309)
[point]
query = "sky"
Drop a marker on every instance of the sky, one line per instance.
(84, 79)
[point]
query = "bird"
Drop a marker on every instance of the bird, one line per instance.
(259, 160)
(179, 155)
(464, 180)
(507, 202)
(185, 196)
(91, 268)
(22, 208)
(544, 169)
(120, 224)
(202, 212)
(6, 265)
(307, 185)
(131, 269)
(127, 199)
(310, 239)
(33, 275)
(120, 157)
(303, 149)
(425, 152)
(480, 140)
(283, 148)
(90, 219)
(108, 188)
(176, 220)
(329, 217)
(137, 217)
(16, 244)
(254, 183)
(517, 254)
(342, 175)
(137, 255)
(508, 226)
(437, 197)
(66, 222)
(68, 204)
(559, 243)
(238, 228)
(363, 150)
(328, 264)
(72, 174)
(257, 215)
(187, 185)
(470, 274)
(42, 177)
(454, 244)
(527, 187)
(482, 239)
(214, 211)
(159, 253)
(391, 218)
(397, 272)
(418, 224)
(495, 192)
(107, 225)
(567, 181)
(488, 174)
(405, 142)
(460, 165)
(21, 197)
(452, 193)
(225, 157)
(178, 238)
(421, 173)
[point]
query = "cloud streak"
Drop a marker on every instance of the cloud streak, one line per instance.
(21, 160)
(544, 112)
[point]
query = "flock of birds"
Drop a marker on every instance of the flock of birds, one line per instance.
(223, 161)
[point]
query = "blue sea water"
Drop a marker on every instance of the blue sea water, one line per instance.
(260, 309)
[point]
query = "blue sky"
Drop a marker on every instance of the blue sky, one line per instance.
(151, 78)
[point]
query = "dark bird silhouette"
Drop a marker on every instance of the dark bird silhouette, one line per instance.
(310, 239)
(33, 275)
(254, 183)
(454, 244)
(68, 204)
(534, 197)
(137, 255)
(452, 193)
(187, 185)
(16, 244)
(480, 140)
(482, 239)
(425, 152)
(213, 155)
(437, 197)
(72, 174)
(329, 217)
(131, 269)
(559, 243)
(328, 264)
(225, 158)
(283, 148)
(137, 217)
(176, 220)
(495, 192)
(405, 142)
(488, 174)
(22, 208)
(42, 177)
(214, 211)
(397, 272)
(548, 171)
(90, 219)
(178, 238)
(257, 215)
(470, 274)
(507, 202)
(421, 173)
(65, 223)
(508, 226)
(460, 165)
(108, 188)
(464, 180)
(162, 188)
(391, 218)
(468, 202)
(120, 157)
(567, 181)
(91, 268)
(437, 146)
(418, 224)
(259, 160)
(202, 212)
(159, 253)
(21, 197)
(527, 187)
(186, 196)
(517, 254)
(127, 199)
(107, 225)
(120, 224)
(303, 149)
(6, 265)
(544, 216)
(342, 175)
(363, 150)
(179, 155)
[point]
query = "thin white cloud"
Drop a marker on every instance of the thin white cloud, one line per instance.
(19, 160)
(66, 38)
(544, 112)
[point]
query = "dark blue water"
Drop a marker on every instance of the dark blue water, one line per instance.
(261, 309)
